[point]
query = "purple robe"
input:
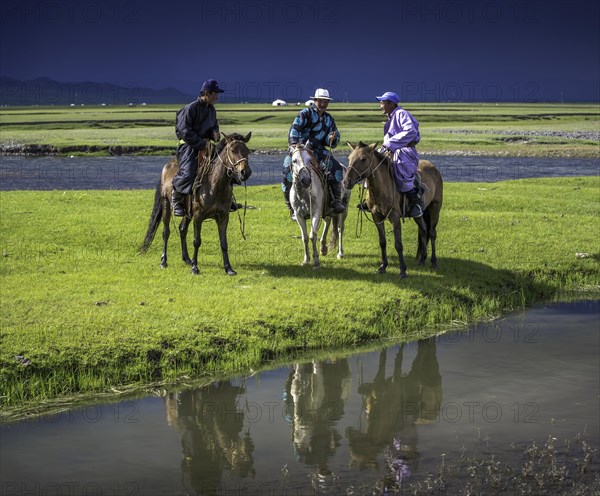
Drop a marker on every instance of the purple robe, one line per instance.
(399, 131)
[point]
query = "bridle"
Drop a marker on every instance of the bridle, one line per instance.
(296, 174)
(232, 164)
(367, 173)
(361, 178)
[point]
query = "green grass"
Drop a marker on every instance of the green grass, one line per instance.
(91, 314)
(478, 128)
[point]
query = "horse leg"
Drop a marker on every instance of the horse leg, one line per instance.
(197, 243)
(432, 231)
(166, 231)
(222, 225)
(422, 239)
(324, 236)
(383, 246)
(302, 224)
(314, 234)
(341, 222)
(183, 230)
(399, 247)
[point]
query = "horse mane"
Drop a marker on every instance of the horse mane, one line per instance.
(220, 146)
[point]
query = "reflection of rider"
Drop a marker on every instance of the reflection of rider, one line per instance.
(211, 426)
(315, 394)
(394, 405)
(401, 135)
(318, 127)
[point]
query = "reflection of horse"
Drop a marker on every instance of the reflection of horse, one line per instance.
(316, 393)
(394, 405)
(384, 201)
(307, 197)
(210, 423)
(211, 198)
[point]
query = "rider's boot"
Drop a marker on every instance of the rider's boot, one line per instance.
(286, 198)
(336, 193)
(416, 206)
(235, 206)
(178, 199)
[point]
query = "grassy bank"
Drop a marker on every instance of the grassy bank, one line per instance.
(83, 312)
(488, 129)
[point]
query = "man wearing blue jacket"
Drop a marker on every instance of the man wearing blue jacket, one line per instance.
(315, 125)
(196, 124)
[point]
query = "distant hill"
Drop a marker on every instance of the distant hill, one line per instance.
(44, 91)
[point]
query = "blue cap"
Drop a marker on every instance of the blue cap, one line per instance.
(212, 86)
(388, 95)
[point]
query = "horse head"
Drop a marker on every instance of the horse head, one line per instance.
(301, 159)
(236, 156)
(360, 163)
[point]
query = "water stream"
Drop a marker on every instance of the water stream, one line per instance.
(128, 172)
(332, 426)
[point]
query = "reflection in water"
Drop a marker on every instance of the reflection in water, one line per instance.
(217, 445)
(211, 423)
(315, 397)
(393, 406)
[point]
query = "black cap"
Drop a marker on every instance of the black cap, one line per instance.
(212, 86)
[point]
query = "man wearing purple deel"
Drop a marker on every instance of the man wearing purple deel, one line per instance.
(401, 135)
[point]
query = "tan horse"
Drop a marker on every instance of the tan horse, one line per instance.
(211, 198)
(385, 202)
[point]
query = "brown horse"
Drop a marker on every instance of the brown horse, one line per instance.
(211, 198)
(385, 202)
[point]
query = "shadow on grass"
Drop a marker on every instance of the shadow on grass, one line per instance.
(455, 276)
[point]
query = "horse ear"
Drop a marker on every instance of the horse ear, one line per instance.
(361, 144)
(373, 146)
(351, 145)
(248, 136)
(225, 137)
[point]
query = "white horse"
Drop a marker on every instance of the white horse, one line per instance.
(307, 197)
(337, 222)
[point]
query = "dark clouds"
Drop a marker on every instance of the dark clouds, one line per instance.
(260, 50)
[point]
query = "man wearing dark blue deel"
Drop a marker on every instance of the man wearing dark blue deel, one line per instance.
(195, 125)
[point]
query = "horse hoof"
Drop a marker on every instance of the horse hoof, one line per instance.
(316, 267)
(434, 266)
(163, 265)
(381, 270)
(195, 271)
(323, 251)
(340, 256)
(231, 272)
(304, 264)
(403, 275)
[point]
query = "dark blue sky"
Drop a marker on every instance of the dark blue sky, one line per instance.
(496, 50)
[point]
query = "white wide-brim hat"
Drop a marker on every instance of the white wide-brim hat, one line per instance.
(321, 94)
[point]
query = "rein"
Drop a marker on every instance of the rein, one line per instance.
(359, 222)
(230, 167)
(321, 177)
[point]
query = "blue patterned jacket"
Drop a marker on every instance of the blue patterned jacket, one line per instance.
(308, 125)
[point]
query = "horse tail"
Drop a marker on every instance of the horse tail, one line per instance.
(155, 218)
